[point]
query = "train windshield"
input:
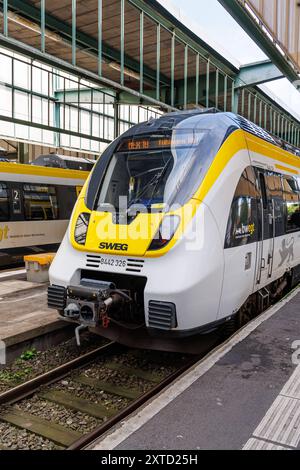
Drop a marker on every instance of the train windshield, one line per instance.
(159, 170)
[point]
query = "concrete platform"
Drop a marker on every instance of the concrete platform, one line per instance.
(244, 395)
(24, 315)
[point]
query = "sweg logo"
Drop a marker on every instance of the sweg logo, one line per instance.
(4, 233)
(113, 246)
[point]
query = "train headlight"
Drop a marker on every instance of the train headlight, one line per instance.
(81, 228)
(165, 233)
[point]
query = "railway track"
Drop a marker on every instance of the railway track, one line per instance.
(101, 373)
(110, 371)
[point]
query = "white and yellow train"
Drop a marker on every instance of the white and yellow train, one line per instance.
(188, 223)
(35, 207)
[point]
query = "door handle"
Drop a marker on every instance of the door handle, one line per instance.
(263, 263)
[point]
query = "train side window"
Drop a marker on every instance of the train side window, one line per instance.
(275, 193)
(292, 203)
(242, 226)
(40, 202)
(263, 190)
(4, 202)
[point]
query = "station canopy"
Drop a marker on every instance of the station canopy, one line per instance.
(279, 21)
(133, 43)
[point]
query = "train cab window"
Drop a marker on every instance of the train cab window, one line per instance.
(242, 223)
(4, 202)
(40, 202)
(291, 198)
(157, 169)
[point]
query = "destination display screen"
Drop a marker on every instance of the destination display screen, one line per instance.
(159, 142)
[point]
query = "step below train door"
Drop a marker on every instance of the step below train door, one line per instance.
(266, 218)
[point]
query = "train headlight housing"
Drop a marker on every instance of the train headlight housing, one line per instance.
(81, 228)
(165, 233)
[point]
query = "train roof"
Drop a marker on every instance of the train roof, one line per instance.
(68, 158)
(54, 160)
(35, 170)
(169, 121)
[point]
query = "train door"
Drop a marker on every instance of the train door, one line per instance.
(16, 202)
(266, 215)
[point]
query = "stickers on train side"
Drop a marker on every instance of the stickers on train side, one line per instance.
(245, 231)
(31, 233)
(4, 233)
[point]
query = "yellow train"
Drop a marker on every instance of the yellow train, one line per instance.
(188, 223)
(35, 206)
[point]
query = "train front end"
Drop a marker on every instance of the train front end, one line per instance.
(141, 262)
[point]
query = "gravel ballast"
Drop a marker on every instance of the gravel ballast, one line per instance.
(37, 362)
(13, 438)
(67, 417)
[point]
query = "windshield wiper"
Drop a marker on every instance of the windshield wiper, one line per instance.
(154, 181)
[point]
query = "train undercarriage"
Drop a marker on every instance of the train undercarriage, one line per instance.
(113, 307)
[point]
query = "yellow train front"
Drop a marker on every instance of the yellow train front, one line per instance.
(167, 238)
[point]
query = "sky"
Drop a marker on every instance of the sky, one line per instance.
(214, 25)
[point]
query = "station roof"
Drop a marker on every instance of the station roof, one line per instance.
(24, 25)
(274, 26)
(142, 51)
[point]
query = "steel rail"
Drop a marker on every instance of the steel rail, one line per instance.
(31, 386)
(88, 438)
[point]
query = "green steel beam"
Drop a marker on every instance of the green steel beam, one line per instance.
(116, 118)
(249, 107)
(57, 123)
(186, 52)
(172, 69)
(207, 83)
(70, 96)
(235, 101)
(99, 20)
(217, 89)
(225, 93)
(158, 62)
(260, 113)
(255, 109)
(265, 116)
(43, 12)
(243, 103)
(24, 122)
(248, 23)
(74, 5)
(122, 40)
(257, 73)
(5, 22)
(141, 52)
(197, 80)
(83, 40)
